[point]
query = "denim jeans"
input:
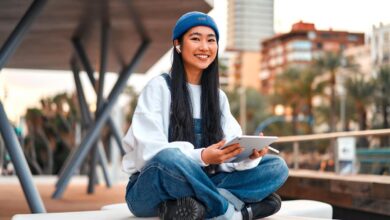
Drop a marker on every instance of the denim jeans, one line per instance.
(171, 175)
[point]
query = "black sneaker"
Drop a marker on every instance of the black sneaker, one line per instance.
(186, 208)
(266, 207)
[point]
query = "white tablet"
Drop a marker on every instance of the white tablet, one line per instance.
(249, 143)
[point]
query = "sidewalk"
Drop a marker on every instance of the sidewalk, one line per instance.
(12, 200)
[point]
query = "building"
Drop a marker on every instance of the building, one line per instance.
(380, 45)
(361, 55)
(249, 22)
(299, 47)
(233, 64)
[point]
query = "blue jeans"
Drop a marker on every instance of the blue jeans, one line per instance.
(171, 175)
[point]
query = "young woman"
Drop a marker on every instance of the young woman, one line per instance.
(178, 170)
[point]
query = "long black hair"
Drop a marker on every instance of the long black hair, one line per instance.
(181, 119)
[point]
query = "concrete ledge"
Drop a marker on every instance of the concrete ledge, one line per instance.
(306, 208)
(113, 214)
(301, 208)
(291, 210)
(117, 215)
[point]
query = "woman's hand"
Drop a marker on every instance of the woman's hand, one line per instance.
(256, 154)
(214, 155)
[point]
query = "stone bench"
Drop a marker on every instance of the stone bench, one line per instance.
(291, 210)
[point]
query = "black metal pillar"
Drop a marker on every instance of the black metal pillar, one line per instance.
(99, 102)
(88, 68)
(94, 131)
(87, 121)
(11, 142)
(86, 115)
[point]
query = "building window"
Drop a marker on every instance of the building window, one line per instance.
(326, 35)
(299, 56)
(352, 37)
(311, 35)
(299, 45)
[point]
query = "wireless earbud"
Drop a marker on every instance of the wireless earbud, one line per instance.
(178, 48)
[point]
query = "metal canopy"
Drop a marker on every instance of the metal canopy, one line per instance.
(48, 44)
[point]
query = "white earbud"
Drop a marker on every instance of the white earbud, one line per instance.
(178, 48)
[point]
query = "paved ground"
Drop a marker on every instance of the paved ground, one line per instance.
(12, 200)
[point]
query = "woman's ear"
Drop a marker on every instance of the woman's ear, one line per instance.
(177, 46)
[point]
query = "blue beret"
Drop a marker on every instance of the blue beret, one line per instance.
(192, 19)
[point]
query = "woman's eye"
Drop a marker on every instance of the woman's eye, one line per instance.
(211, 40)
(195, 38)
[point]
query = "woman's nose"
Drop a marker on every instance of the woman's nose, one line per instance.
(203, 45)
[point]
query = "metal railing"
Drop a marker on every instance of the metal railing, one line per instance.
(326, 136)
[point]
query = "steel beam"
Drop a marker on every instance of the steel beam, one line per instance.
(88, 68)
(11, 142)
(94, 131)
(87, 121)
(100, 87)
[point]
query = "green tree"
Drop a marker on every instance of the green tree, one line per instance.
(331, 63)
(382, 94)
(296, 88)
(361, 91)
(257, 107)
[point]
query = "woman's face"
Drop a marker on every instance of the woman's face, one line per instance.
(199, 48)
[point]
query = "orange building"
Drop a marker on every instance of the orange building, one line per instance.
(299, 47)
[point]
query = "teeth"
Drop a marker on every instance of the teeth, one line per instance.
(202, 56)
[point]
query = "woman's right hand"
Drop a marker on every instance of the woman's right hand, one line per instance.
(214, 155)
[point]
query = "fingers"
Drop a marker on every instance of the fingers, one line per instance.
(257, 154)
(254, 155)
(215, 155)
(218, 145)
(232, 153)
(231, 148)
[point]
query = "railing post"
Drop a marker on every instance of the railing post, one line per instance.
(334, 148)
(296, 154)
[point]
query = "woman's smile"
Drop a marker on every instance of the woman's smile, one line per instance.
(202, 57)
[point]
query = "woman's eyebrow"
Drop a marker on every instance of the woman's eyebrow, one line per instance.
(199, 34)
(195, 33)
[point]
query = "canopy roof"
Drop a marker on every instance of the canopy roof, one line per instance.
(47, 45)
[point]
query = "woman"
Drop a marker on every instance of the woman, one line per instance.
(173, 145)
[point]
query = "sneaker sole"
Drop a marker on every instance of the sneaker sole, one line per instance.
(182, 209)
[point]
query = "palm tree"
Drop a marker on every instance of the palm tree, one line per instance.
(383, 89)
(287, 93)
(361, 91)
(295, 88)
(331, 63)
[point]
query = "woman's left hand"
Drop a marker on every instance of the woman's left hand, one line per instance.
(256, 154)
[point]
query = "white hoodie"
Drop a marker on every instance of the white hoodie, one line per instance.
(148, 133)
